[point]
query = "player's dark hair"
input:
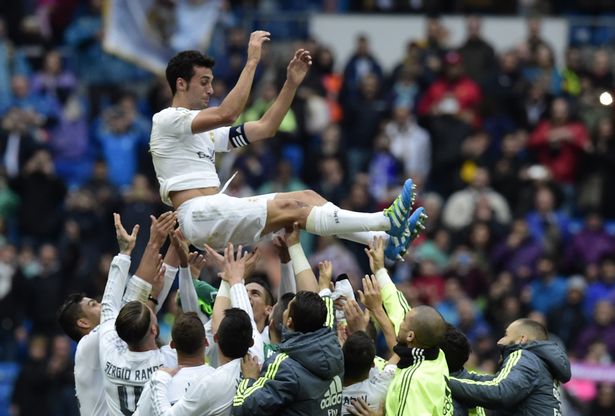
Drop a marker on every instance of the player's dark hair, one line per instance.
(261, 280)
(456, 348)
(188, 333)
(359, 353)
(235, 333)
(534, 330)
(278, 310)
(132, 323)
(69, 313)
(182, 66)
(308, 312)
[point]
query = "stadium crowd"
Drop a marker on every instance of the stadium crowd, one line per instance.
(512, 154)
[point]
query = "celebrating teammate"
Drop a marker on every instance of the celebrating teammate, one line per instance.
(186, 136)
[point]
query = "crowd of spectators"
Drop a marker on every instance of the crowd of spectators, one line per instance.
(513, 155)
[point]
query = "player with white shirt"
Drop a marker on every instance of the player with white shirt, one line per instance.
(186, 136)
(188, 339)
(127, 341)
(235, 335)
(362, 380)
(79, 317)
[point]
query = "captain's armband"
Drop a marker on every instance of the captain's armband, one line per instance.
(237, 136)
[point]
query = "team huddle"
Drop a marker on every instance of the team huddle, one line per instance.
(310, 348)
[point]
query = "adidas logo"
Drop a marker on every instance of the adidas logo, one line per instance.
(333, 396)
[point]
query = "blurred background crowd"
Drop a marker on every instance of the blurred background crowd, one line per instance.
(513, 154)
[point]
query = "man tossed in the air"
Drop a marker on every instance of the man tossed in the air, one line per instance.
(186, 136)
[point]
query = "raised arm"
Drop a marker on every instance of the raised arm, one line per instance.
(234, 103)
(269, 123)
(394, 302)
(371, 297)
(118, 272)
(304, 276)
(287, 274)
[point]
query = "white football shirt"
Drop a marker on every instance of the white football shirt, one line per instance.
(373, 389)
(185, 378)
(183, 160)
(210, 396)
(124, 372)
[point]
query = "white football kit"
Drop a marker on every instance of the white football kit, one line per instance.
(124, 372)
(211, 395)
(183, 160)
(89, 386)
(373, 389)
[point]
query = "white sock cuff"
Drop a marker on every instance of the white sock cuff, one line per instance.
(224, 290)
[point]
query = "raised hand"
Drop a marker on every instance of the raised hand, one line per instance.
(161, 227)
(292, 235)
(255, 46)
(359, 407)
(356, 318)
(298, 66)
(375, 253)
(234, 268)
(197, 264)
(250, 368)
(325, 275)
(213, 257)
(252, 260)
(370, 296)
(157, 281)
(180, 247)
(124, 240)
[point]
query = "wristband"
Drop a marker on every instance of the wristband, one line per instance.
(153, 300)
(224, 290)
(300, 262)
(383, 277)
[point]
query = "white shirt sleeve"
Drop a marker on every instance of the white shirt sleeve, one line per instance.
(169, 278)
(176, 120)
(137, 289)
(220, 137)
(144, 405)
(240, 299)
(188, 295)
(114, 289)
(194, 402)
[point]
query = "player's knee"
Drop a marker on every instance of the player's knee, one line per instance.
(287, 205)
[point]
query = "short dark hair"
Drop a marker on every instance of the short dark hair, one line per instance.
(235, 333)
(277, 313)
(132, 322)
(534, 330)
(359, 353)
(308, 311)
(188, 333)
(456, 348)
(261, 280)
(69, 313)
(182, 66)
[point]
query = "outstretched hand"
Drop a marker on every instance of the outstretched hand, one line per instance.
(325, 274)
(255, 46)
(234, 267)
(298, 66)
(375, 253)
(161, 227)
(213, 257)
(181, 248)
(370, 296)
(124, 240)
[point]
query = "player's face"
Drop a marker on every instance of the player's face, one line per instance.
(258, 300)
(200, 88)
(91, 310)
(406, 334)
(512, 335)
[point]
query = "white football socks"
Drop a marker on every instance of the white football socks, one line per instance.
(332, 220)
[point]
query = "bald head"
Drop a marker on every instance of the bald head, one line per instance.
(523, 331)
(423, 327)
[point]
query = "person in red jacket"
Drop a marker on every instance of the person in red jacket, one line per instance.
(558, 142)
(454, 93)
